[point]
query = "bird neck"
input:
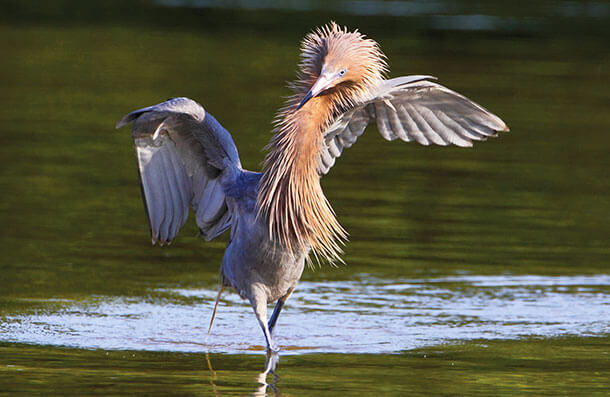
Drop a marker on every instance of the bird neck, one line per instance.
(290, 196)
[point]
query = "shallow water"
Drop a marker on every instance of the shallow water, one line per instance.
(479, 271)
(365, 316)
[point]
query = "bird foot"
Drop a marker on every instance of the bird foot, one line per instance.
(271, 361)
(273, 349)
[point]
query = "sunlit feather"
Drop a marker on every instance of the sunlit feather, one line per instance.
(290, 196)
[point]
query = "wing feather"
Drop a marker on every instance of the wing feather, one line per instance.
(411, 127)
(151, 191)
(166, 196)
(397, 127)
(176, 207)
(383, 124)
(423, 127)
(182, 153)
(411, 108)
(335, 147)
(183, 188)
(459, 129)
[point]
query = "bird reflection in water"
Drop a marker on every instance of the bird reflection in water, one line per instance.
(271, 362)
(280, 217)
(261, 379)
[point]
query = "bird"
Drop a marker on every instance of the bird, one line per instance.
(279, 218)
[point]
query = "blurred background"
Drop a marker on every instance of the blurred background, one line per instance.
(533, 202)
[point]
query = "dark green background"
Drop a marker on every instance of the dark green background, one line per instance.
(534, 201)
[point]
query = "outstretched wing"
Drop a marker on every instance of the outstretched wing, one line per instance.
(413, 109)
(182, 152)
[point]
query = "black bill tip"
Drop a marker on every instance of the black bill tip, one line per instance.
(305, 99)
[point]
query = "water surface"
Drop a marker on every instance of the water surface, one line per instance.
(364, 316)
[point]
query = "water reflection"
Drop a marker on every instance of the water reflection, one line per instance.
(365, 316)
(271, 363)
(261, 379)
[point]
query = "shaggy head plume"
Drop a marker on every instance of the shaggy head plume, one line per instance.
(290, 196)
(334, 47)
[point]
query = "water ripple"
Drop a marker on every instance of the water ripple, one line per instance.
(365, 316)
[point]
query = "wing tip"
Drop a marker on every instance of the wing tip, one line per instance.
(121, 123)
(160, 242)
(128, 118)
(502, 127)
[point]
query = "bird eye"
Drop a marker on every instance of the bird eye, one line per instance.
(342, 72)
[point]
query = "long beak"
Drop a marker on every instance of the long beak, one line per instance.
(305, 99)
(323, 83)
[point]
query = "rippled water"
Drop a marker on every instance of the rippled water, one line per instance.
(365, 316)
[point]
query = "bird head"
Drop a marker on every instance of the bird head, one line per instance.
(336, 61)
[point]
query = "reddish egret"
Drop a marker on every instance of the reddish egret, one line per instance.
(280, 216)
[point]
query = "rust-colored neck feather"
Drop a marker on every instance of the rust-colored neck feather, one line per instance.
(290, 196)
(298, 213)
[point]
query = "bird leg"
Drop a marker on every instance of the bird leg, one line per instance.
(276, 313)
(258, 300)
(278, 308)
(215, 307)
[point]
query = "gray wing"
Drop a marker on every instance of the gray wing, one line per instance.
(413, 109)
(182, 152)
